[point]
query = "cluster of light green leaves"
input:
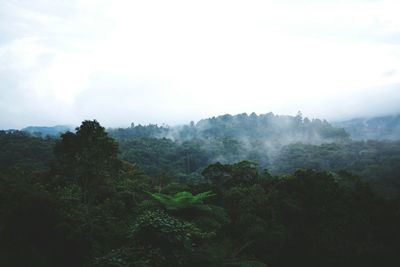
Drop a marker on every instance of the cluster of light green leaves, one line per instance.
(183, 200)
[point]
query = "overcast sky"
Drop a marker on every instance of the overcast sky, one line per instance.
(176, 61)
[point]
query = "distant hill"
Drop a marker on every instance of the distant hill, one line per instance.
(278, 128)
(282, 144)
(275, 129)
(376, 128)
(282, 129)
(42, 131)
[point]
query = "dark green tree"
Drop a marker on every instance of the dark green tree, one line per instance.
(88, 156)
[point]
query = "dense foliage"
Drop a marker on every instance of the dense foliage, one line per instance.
(81, 201)
(281, 144)
(377, 162)
(18, 149)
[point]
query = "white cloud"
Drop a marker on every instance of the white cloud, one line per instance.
(173, 61)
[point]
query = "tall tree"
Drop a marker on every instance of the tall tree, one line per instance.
(87, 156)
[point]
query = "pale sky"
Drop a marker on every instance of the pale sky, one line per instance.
(175, 61)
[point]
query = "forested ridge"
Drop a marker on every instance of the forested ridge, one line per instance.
(377, 128)
(244, 190)
(281, 144)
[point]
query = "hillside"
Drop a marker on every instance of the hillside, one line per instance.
(375, 128)
(268, 127)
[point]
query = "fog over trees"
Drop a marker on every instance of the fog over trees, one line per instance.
(241, 190)
(223, 133)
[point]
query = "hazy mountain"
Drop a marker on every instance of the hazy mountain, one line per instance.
(45, 130)
(277, 129)
(271, 127)
(375, 128)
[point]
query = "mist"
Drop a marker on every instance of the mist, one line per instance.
(229, 138)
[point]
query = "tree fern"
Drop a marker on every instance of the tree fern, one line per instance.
(183, 200)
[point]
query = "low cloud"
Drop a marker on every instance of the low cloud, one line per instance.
(123, 61)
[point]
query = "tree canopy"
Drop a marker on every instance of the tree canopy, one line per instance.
(197, 202)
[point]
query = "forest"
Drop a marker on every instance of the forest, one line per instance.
(233, 190)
